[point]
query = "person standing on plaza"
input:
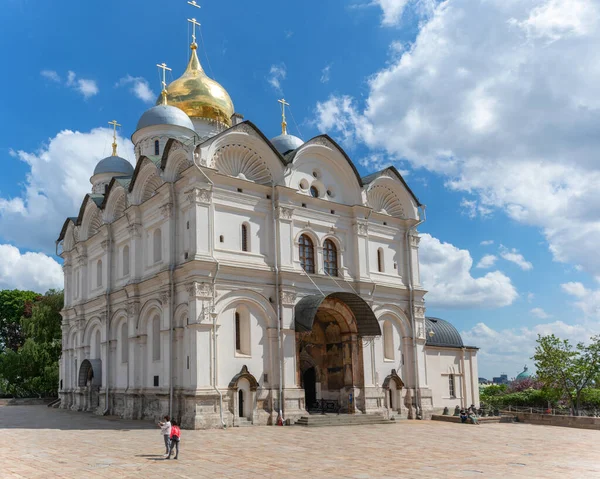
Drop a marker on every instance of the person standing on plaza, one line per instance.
(175, 437)
(165, 430)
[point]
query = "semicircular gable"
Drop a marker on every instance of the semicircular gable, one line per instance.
(175, 160)
(389, 196)
(91, 222)
(322, 164)
(116, 202)
(242, 162)
(146, 180)
(69, 236)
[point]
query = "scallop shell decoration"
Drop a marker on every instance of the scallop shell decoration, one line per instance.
(385, 201)
(242, 162)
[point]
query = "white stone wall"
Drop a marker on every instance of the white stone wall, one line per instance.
(200, 216)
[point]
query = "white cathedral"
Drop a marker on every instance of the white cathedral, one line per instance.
(230, 279)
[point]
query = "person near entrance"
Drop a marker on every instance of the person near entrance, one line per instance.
(165, 430)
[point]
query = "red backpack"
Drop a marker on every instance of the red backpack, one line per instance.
(175, 433)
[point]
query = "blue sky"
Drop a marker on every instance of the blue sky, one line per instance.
(491, 108)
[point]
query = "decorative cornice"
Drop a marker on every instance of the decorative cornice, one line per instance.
(362, 227)
(285, 213)
(414, 240)
(199, 196)
(200, 290)
(135, 230)
(166, 210)
(288, 298)
(165, 296)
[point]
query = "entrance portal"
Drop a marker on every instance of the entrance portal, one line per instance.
(241, 403)
(309, 383)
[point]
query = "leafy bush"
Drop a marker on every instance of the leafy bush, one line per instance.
(528, 398)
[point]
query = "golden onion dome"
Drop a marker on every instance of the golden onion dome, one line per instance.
(198, 95)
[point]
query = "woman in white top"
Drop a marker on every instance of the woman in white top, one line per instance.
(165, 430)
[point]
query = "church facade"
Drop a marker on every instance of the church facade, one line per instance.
(231, 279)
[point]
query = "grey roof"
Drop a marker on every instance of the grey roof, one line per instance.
(285, 143)
(445, 335)
(392, 169)
(165, 115)
(306, 310)
(114, 164)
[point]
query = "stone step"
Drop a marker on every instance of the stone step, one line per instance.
(341, 420)
(242, 422)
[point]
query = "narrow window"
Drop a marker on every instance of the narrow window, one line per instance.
(157, 239)
(156, 382)
(124, 343)
(156, 147)
(244, 237)
(156, 339)
(238, 337)
(126, 260)
(330, 258)
(97, 347)
(99, 273)
(307, 254)
(380, 263)
(451, 385)
(388, 341)
(221, 239)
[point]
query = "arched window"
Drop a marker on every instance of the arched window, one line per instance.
(156, 147)
(124, 343)
(388, 341)
(97, 343)
(307, 254)
(157, 243)
(156, 339)
(99, 273)
(451, 389)
(330, 259)
(245, 237)
(126, 260)
(242, 332)
(380, 263)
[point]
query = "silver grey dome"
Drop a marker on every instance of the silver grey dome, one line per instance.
(114, 164)
(165, 115)
(285, 143)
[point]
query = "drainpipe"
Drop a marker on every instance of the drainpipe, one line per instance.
(173, 248)
(108, 273)
(277, 301)
(211, 233)
(411, 301)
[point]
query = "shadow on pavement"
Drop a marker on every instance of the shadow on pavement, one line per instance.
(42, 417)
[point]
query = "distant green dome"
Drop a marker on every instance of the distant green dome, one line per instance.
(524, 374)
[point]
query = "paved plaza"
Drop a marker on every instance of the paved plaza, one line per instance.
(38, 442)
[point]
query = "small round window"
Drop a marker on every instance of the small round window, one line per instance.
(314, 192)
(304, 184)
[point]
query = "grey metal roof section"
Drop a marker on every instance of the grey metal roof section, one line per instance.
(445, 335)
(90, 369)
(115, 165)
(165, 115)
(98, 199)
(286, 143)
(306, 310)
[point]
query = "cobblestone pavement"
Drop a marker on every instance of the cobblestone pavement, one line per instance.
(37, 442)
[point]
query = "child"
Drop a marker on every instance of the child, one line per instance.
(165, 430)
(175, 437)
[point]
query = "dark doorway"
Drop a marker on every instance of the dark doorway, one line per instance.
(390, 392)
(241, 403)
(309, 382)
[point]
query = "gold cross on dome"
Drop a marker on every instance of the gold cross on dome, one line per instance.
(194, 24)
(283, 122)
(164, 68)
(114, 145)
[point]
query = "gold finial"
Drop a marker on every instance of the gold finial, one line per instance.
(164, 68)
(194, 24)
(114, 145)
(283, 122)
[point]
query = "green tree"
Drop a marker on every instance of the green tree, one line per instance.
(13, 305)
(32, 370)
(567, 368)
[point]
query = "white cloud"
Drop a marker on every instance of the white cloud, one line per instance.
(515, 257)
(502, 97)
(51, 75)
(87, 88)
(588, 300)
(277, 74)
(487, 242)
(392, 10)
(325, 74)
(56, 183)
(540, 313)
(446, 274)
(487, 261)
(507, 350)
(30, 271)
(139, 87)
(530, 297)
